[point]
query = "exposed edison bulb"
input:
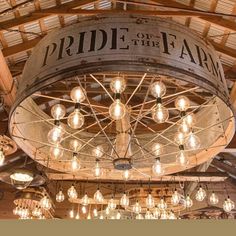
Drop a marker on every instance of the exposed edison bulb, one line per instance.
(16, 211)
(98, 151)
(84, 209)
(164, 215)
(60, 197)
(175, 198)
(180, 138)
(78, 94)
(172, 216)
(107, 210)
(37, 212)
(85, 200)
(124, 201)
(162, 204)
(118, 84)
(139, 217)
(157, 168)
(188, 202)
(117, 110)
(75, 145)
(118, 215)
(101, 217)
(45, 203)
(157, 149)
(112, 204)
(150, 203)
(72, 193)
(75, 119)
(58, 111)
(56, 152)
(89, 216)
(77, 217)
(137, 208)
(95, 212)
(228, 205)
(156, 213)
(75, 163)
(148, 215)
(190, 120)
(213, 199)
(158, 89)
(2, 157)
(182, 158)
(71, 214)
(98, 197)
(193, 142)
(160, 114)
(126, 174)
(97, 170)
(55, 134)
(182, 103)
(184, 127)
(201, 194)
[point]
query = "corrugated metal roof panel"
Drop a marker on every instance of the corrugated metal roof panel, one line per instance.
(33, 27)
(26, 10)
(4, 5)
(52, 22)
(104, 4)
(197, 25)
(47, 4)
(70, 19)
(202, 5)
(8, 16)
(88, 6)
(216, 31)
(12, 38)
(231, 42)
(180, 20)
(225, 6)
(185, 2)
(227, 60)
(19, 57)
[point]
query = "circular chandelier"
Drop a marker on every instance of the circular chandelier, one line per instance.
(111, 99)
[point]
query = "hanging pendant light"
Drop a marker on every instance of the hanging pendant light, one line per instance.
(98, 197)
(150, 203)
(137, 208)
(72, 193)
(85, 200)
(213, 199)
(188, 202)
(228, 205)
(201, 194)
(112, 204)
(124, 201)
(175, 198)
(162, 204)
(60, 197)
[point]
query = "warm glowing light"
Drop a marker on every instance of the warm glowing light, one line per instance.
(56, 152)
(175, 198)
(182, 158)
(214, 199)
(160, 114)
(201, 194)
(72, 193)
(45, 203)
(164, 215)
(77, 217)
(172, 216)
(107, 210)
(95, 212)
(156, 213)
(112, 204)
(139, 217)
(22, 176)
(2, 157)
(72, 214)
(126, 174)
(148, 215)
(124, 201)
(157, 168)
(98, 197)
(84, 209)
(157, 149)
(75, 163)
(78, 94)
(37, 212)
(188, 202)
(85, 200)
(180, 138)
(137, 208)
(118, 215)
(98, 151)
(75, 119)
(118, 84)
(150, 203)
(158, 89)
(182, 103)
(55, 134)
(97, 171)
(60, 197)
(228, 205)
(58, 111)
(162, 204)
(75, 145)
(193, 142)
(117, 110)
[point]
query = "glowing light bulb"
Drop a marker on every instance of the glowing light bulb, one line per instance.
(101, 217)
(75, 119)
(182, 103)
(162, 204)
(45, 203)
(184, 128)
(117, 110)
(97, 171)
(72, 214)
(75, 163)
(188, 202)
(172, 216)
(60, 197)
(156, 213)
(89, 216)
(158, 89)
(85, 200)
(77, 217)
(193, 142)
(150, 203)
(118, 84)
(72, 193)
(213, 199)
(160, 114)
(139, 217)
(58, 111)
(118, 215)
(56, 152)
(175, 198)
(107, 210)
(2, 157)
(75, 145)
(98, 197)
(157, 149)
(84, 209)
(98, 151)
(95, 212)
(228, 205)
(157, 168)
(16, 210)
(137, 208)
(112, 204)
(201, 194)
(126, 174)
(190, 120)
(37, 212)
(55, 134)
(148, 215)
(78, 94)
(180, 138)
(164, 215)
(182, 158)
(124, 201)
